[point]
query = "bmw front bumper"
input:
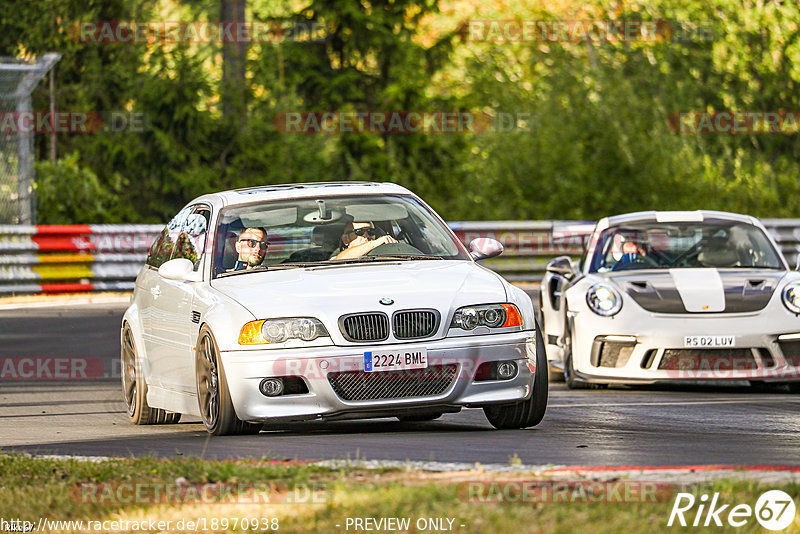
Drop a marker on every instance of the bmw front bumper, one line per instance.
(245, 369)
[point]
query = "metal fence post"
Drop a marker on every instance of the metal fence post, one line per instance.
(18, 78)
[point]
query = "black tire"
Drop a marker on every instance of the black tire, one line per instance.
(134, 386)
(556, 375)
(529, 412)
(420, 417)
(213, 396)
(569, 371)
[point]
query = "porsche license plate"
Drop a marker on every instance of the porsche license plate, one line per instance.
(395, 360)
(709, 341)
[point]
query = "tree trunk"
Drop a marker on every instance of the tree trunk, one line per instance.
(233, 93)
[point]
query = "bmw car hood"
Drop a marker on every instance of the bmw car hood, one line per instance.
(328, 292)
(704, 290)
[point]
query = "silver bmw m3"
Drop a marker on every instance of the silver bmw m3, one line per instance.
(325, 301)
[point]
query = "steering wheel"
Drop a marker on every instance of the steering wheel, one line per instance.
(640, 260)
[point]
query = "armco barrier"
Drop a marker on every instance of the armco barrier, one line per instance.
(66, 259)
(59, 259)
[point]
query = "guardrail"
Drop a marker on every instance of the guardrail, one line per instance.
(77, 258)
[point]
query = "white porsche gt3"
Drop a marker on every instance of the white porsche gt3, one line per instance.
(325, 301)
(665, 296)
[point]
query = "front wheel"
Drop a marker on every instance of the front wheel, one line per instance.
(569, 370)
(213, 396)
(529, 412)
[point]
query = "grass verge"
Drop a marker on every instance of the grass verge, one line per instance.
(258, 495)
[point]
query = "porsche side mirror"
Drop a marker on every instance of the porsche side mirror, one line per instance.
(561, 265)
(178, 269)
(485, 247)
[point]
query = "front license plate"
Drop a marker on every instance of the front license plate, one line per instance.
(395, 360)
(709, 341)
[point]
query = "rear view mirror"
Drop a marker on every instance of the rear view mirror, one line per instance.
(561, 265)
(485, 247)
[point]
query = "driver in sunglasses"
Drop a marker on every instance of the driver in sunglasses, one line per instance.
(252, 247)
(359, 238)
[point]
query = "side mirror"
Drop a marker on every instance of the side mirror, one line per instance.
(485, 247)
(178, 269)
(561, 265)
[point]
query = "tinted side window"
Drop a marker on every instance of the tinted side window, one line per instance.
(161, 250)
(191, 242)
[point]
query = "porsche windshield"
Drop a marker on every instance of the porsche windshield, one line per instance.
(721, 244)
(329, 230)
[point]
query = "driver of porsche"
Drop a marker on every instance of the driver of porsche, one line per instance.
(252, 247)
(359, 238)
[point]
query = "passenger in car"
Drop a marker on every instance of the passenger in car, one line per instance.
(359, 238)
(252, 248)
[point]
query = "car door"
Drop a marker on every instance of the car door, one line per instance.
(178, 321)
(558, 277)
(150, 288)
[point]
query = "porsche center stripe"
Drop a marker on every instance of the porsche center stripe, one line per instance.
(701, 290)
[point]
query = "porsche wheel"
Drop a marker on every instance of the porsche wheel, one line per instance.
(529, 412)
(569, 370)
(134, 387)
(213, 396)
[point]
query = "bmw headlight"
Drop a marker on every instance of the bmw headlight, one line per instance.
(280, 330)
(491, 315)
(604, 300)
(791, 297)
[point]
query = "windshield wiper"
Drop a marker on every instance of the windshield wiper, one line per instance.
(251, 270)
(304, 264)
(408, 257)
(296, 265)
(384, 257)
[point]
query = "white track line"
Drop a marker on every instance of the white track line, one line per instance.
(62, 303)
(755, 400)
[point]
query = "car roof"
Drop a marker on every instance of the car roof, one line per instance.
(675, 216)
(301, 190)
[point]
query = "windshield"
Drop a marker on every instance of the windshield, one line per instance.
(329, 230)
(679, 245)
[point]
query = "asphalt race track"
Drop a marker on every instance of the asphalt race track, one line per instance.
(644, 426)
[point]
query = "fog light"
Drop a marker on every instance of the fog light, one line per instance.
(271, 387)
(506, 370)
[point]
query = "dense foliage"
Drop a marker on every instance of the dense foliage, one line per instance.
(593, 138)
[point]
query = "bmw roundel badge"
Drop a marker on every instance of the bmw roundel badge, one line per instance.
(386, 302)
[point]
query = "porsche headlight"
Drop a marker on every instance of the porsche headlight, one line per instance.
(280, 330)
(791, 297)
(604, 300)
(491, 315)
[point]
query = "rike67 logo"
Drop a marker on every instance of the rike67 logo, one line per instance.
(774, 510)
